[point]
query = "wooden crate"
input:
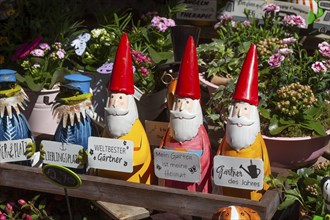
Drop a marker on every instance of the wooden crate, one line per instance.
(160, 198)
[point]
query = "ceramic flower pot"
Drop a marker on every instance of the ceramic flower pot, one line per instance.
(294, 153)
(214, 83)
(39, 114)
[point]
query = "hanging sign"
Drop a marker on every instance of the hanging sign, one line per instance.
(13, 150)
(110, 154)
(61, 176)
(243, 173)
(61, 153)
(175, 165)
(155, 131)
(205, 10)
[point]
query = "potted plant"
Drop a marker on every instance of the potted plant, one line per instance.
(301, 190)
(286, 69)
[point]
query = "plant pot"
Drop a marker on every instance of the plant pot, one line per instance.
(150, 105)
(39, 114)
(294, 153)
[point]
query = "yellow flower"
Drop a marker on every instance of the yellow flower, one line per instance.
(11, 12)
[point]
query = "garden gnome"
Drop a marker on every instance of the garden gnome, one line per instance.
(122, 119)
(243, 138)
(13, 124)
(74, 111)
(186, 131)
(325, 188)
(236, 213)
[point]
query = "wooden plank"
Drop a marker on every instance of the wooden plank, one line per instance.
(122, 212)
(160, 198)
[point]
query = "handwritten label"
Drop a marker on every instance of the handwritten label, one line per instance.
(110, 154)
(155, 131)
(174, 165)
(61, 176)
(13, 150)
(243, 173)
(61, 154)
(199, 10)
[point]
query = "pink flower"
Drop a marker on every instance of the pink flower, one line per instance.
(2, 217)
(24, 49)
(162, 23)
(293, 20)
(60, 53)
(26, 216)
(324, 49)
(21, 202)
(271, 7)
(246, 23)
(275, 60)
(37, 53)
(319, 67)
(144, 71)
(44, 46)
(8, 208)
(327, 63)
(289, 40)
(285, 51)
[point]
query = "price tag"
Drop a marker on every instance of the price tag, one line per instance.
(13, 150)
(243, 173)
(175, 165)
(61, 176)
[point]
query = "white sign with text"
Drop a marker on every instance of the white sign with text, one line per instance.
(13, 150)
(61, 153)
(243, 173)
(175, 165)
(110, 154)
(155, 131)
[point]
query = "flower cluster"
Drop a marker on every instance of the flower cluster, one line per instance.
(41, 63)
(144, 71)
(294, 99)
(162, 23)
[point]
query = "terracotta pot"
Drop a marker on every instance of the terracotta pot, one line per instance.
(294, 153)
(215, 82)
(39, 114)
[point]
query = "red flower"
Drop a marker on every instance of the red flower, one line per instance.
(24, 49)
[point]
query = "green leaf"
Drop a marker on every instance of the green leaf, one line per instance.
(288, 201)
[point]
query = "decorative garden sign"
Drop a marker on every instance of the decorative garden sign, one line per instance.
(13, 150)
(110, 154)
(243, 173)
(199, 10)
(61, 176)
(174, 165)
(61, 153)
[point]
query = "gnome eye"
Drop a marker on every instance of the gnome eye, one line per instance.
(120, 97)
(245, 109)
(187, 101)
(112, 96)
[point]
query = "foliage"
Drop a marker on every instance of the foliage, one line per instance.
(282, 61)
(303, 187)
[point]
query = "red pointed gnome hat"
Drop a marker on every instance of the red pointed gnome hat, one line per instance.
(122, 79)
(247, 84)
(188, 80)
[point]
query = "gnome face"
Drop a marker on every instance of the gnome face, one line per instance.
(243, 125)
(186, 118)
(120, 114)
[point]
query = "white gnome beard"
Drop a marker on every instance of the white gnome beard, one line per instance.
(120, 121)
(241, 132)
(183, 125)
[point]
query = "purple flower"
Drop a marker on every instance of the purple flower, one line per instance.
(293, 20)
(162, 23)
(319, 67)
(37, 53)
(21, 202)
(324, 49)
(289, 40)
(246, 23)
(225, 18)
(275, 60)
(60, 53)
(285, 51)
(271, 7)
(44, 46)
